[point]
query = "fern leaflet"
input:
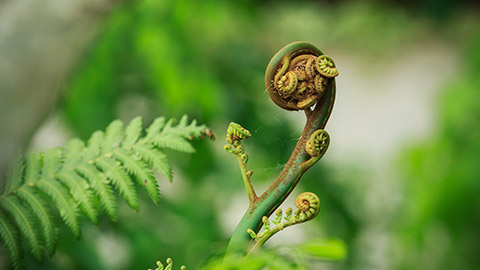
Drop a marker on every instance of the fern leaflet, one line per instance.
(120, 179)
(44, 215)
(9, 235)
(24, 218)
(138, 168)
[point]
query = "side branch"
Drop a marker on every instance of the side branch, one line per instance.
(246, 175)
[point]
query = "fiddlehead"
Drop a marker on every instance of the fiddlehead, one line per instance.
(326, 66)
(297, 76)
(169, 266)
(235, 134)
(318, 143)
(308, 206)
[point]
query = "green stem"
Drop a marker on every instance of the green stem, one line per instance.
(252, 197)
(283, 185)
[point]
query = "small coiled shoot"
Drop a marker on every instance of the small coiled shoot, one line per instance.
(308, 206)
(318, 143)
(169, 266)
(326, 66)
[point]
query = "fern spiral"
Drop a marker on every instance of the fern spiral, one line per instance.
(72, 179)
(298, 75)
(318, 143)
(308, 206)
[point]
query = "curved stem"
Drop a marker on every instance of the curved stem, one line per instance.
(252, 197)
(283, 185)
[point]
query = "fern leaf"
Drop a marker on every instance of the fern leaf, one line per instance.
(101, 188)
(33, 165)
(183, 129)
(25, 222)
(173, 142)
(155, 128)
(51, 161)
(14, 176)
(83, 196)
(155, 158)
(120, 179)
(75, 177)
(43, 213)
(142, 173)
(73, 153)
(9, 236)
(133, 131)
(63, 201)
(94, 143)
(113, 136)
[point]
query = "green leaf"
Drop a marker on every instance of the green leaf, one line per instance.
(183, 129)
(63, 201)
(173, 142)
(83, 196)
(154, 158)
(113, 136)
(140, 170)
(73, 153)
(120, 179)
(331, 249)
(94, 143)
(9, 235)
(155, 128)
(33, 165)
(14, 176)
(42, 211)
(25, 222)
(52, 160)
(101, 188)
(133, 131)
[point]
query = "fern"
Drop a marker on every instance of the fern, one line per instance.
(9, 235)
(78, 179)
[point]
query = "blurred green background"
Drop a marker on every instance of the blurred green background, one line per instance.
(399, 184)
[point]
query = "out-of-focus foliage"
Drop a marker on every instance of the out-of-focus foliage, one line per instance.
(291, 258)
(439, 229)
(207, 59)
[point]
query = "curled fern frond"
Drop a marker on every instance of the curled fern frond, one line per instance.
(74, 178)
(308, 206)
(318, 143)
(169, 266)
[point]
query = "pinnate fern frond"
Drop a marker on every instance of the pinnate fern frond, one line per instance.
(120, 179)
(81, 193)
(63, 201)
(44, 215)
(77, 179)
(10, 237)
(154, 158)
(25, 221)
(139, 169)
(133, 131)
(174, 142)
(15, 175)
(99, 184)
